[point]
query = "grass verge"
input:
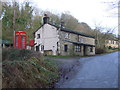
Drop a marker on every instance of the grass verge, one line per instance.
(65, 57)
(34, 72)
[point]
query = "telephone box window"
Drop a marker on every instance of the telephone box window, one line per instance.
(23, 41)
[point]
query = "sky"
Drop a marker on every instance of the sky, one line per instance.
(89, 11)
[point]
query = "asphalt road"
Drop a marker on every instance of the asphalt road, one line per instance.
(95, 72)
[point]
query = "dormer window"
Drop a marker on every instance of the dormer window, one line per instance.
(81, 39)
(38, 36)
(66, 35)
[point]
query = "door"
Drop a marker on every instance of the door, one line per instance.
(37, 48)
(65, 48)
(84, 50)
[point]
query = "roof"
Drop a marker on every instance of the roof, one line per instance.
(72, 31)
(4, 42)
(113, 39)
(68, 30)
(38, 28)
(79, 43)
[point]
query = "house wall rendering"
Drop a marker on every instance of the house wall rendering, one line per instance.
(111, 43)
(46, 38)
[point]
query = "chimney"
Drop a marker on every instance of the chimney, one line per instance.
(45, 19)
(62, 24)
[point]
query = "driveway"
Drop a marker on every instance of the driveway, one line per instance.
(95, 72)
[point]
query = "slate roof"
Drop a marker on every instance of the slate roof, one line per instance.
(68, 30)
(4, 42)
(79, 43)
(72, 31)
(114, 39)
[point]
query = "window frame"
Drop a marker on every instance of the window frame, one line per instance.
(91, 49)
(81, 39)
(66, 35)
(42, 47)
(38, 36)
(77, 48)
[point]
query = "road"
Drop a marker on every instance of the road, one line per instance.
(95, 72)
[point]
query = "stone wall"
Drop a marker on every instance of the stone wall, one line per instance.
(71, 46)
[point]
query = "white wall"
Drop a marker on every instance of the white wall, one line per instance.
(48, 37)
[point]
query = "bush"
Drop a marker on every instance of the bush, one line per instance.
(109, 47)
(27, 69)
(18, 54)
(33, 73)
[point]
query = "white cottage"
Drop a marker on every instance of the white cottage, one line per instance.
(54, 40)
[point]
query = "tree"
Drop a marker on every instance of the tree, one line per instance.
(70, 21)
(22, 18)
(101, 36)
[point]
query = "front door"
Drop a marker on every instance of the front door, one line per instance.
(37, 48)
(84, 50)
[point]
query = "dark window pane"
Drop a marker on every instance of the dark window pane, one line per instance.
(91, 49)
(38, 36)
(65, 48)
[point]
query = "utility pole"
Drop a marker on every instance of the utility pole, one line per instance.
(14, 23)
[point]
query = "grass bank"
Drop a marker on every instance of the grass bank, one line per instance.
(27, 69)
(62, 57)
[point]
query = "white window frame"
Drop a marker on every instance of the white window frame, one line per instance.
(77, 48)
(91, 49)
(66, 35)
(38, 36)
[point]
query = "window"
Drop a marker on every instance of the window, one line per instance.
(57, 46)
(66, 35)
(23, 42)
(42, 48)
(116, 42)
(77, 48)
(38, 36)
(65, 48)
(109, 42)
(37, 48)
(81, 39)
(113, 42)
(91, 49)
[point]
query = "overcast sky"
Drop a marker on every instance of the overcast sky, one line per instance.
(88, 11)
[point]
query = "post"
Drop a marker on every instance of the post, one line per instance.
(14, 18)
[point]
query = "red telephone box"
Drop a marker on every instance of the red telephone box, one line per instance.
(20, 40)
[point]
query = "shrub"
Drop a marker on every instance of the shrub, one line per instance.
(33, 73)
(18, 54)
(27, 69)
(109, 47)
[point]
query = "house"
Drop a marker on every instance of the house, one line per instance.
(57, 40)
(5, 44)
(111, 43)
